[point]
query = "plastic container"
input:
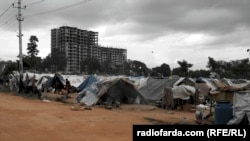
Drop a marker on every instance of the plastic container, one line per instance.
(223, 112)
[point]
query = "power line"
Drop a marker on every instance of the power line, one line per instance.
(58, 9)
(7, 9)
(9, 15)
(9, 26)
(8, 21)
(35, 2)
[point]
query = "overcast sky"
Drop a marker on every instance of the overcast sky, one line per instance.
(153, 31)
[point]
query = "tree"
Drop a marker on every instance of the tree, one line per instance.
(165, 70)
(234, 69)
(126, 66)
(199, 73)
(162, 71)
(31, 61)
(46, 64)
(58, 60)
(212, 64)
(177, 71)
(184, 66)
(138, 68)
(32, 46)
(9, 68)
(91, 65)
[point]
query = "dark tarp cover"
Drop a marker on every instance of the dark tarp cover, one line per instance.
(59, 78)
(119, 91)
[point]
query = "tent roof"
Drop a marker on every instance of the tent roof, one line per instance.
(153, 90)
(128, 90)
(58, 77)
(87, 82)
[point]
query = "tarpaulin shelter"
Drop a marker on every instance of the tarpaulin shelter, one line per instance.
(43, 82)
(114, 91)
(87, 82)
(87, 91)
(152, 91)
(224, 91)
(57, 81)
(241, 107)
(181, 92)
(119, 91)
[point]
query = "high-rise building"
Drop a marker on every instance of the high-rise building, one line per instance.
(78, 44)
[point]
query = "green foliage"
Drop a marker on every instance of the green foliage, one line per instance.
(162, 71)
(32, 46)
(91, 66)
(137, 68)
(45, 64)
(9, 67)
(32, 61)
(183, 70)
(199, 73)
(177, 71)
(58, 60)
(165, 70)
(234, 69)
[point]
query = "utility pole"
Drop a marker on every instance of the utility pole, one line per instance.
(20, 19)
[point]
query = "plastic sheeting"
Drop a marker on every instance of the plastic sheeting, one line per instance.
(153, 90)
(241, 108)
(183, 92)
(117, 88)
(87, 82)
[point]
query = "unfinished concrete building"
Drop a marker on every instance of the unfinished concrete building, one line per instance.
(78, 44)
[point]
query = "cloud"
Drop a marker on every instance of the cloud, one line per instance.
(172, 29)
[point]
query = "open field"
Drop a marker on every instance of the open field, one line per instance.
(25, 119)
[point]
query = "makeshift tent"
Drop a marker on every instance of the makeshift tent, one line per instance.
(87, 91)
(75, 80)
(152, 91)
(87, 82)
(211, 84)
(241, 108)
(139, 82)
(115, 91)
(185, 80)
(203, 91)
(226, 92)
(43, 82)
(57, 81)
(167, 99)
(119, 91)
(181, 92)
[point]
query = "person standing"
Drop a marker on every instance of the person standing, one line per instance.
(68, 85)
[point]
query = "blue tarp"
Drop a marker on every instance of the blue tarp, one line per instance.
(85, 88)
(87, 82)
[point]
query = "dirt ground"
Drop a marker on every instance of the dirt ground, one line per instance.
(25, 119)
